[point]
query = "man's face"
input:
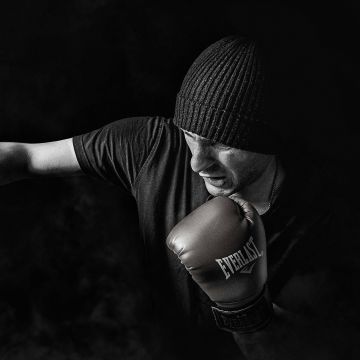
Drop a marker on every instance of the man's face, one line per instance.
(225, 170)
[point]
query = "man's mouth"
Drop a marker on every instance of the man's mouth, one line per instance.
(214, 180)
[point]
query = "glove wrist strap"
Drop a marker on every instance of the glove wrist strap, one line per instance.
(247, 319)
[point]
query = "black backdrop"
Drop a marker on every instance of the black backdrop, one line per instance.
(66, 288)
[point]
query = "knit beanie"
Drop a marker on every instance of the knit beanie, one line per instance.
(222, 97)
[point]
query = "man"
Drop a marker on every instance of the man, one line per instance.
(219, 144)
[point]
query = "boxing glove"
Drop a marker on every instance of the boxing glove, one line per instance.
(223, 246)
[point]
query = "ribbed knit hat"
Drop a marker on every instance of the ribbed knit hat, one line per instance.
(222, 97)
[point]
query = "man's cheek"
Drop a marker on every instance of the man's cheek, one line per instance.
(232, 181)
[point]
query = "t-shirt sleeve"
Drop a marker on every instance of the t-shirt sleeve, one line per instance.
(117, 152)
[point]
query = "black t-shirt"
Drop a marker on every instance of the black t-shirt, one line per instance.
(149, 158)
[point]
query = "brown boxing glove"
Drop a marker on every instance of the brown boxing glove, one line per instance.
(222, 244)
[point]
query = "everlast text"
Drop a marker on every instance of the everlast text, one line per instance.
(241, 261)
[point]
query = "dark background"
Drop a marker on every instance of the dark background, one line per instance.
(69, 284)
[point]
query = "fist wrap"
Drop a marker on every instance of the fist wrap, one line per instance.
(222, 244)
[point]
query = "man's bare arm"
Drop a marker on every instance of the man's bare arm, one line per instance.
(21, 160)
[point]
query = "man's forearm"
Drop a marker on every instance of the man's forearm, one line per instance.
(291, 337)
(21, 161)
(13, 162)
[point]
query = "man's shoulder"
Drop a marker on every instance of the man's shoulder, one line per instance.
(138, 124)
(155, 124)
(144, 121)
(155, 143)
(120, 150)
(159, 132)
(145, 127)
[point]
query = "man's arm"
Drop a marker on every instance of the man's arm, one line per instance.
(21, 161)
(213, 243)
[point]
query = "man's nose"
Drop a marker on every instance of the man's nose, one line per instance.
(201, 158)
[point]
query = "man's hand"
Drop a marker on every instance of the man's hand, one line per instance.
(222, 244)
